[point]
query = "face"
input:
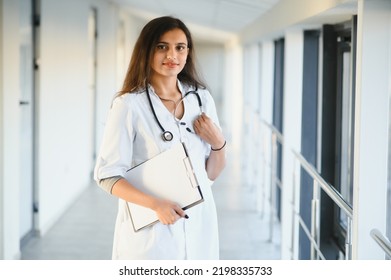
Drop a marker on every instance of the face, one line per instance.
(170, 54)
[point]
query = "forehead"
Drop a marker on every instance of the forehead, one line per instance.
(174, 36)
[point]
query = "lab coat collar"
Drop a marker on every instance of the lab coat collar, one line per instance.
(183, 88)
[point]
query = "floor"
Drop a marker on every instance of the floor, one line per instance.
(85, 231)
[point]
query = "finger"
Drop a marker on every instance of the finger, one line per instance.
(196, 130)
(201, 116)
(204, 117)
(175, 218)
(197, 124)
(199, 120)
(184, 215)
(179, 211)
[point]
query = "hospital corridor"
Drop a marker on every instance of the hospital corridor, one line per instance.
(301, 90)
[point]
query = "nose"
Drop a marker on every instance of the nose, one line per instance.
(170, 54)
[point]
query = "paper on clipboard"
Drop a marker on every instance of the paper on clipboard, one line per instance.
(169, 175)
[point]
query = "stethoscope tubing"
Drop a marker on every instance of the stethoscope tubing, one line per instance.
(167, 135)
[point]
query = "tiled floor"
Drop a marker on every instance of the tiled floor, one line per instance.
(85, 231)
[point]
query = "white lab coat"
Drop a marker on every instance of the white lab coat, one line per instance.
(132, 136)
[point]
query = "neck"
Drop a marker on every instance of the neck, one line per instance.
(166, 88)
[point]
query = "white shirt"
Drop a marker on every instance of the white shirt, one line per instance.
(132, 136)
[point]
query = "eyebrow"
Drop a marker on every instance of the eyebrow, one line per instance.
(177, 44)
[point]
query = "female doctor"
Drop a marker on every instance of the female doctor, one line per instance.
(160, 105)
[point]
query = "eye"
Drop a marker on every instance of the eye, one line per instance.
(181, 48)
(161, 47)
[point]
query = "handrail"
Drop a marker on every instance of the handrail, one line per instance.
(330, 190)
(310, 238)
(318, 183)
(274, 130)
(313, 233)
(335, 196)
(382, 241)
(276, 137)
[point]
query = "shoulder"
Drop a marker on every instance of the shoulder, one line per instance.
(204, 92)
(127, 99)
(206, 97)
(126, 106)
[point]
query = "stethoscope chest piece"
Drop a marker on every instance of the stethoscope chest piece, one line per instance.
(167, 136)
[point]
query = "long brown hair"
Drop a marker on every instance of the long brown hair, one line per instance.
(138, 74)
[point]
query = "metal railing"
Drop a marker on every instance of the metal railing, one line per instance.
(276, 137)
(314, 232)
(382, 241)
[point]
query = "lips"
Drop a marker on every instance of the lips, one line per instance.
(170, 64)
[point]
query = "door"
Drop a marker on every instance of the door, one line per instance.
(27, 119)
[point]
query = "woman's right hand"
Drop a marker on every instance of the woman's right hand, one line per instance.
(168, 212)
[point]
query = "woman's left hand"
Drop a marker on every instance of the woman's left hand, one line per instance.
(208, 131)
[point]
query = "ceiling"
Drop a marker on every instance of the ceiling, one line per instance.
(228, 16)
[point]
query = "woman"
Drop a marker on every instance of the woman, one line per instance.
(160, 73)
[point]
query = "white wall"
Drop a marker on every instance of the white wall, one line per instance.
(64, 109)
(9, 109)
(251, 144)
(1, 133)
(266, 116)
(233, 94)
(108, 83)
(293, 90)
(210, 63)
(372, 117)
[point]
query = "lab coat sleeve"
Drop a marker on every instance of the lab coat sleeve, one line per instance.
(116, 151)
(210, 108)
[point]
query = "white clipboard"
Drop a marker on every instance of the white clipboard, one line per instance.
(169, 175)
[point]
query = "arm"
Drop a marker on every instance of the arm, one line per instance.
(210, 133)
(216, 161)
(114, 157)
(167, 212)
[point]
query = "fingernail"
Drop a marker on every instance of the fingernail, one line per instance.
(186, 217)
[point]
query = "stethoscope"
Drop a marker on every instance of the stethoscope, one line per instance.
(166, 134)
